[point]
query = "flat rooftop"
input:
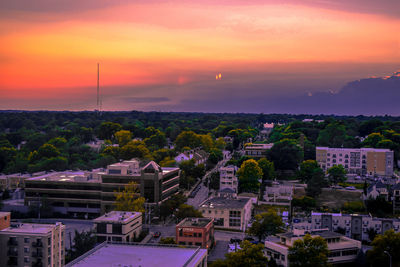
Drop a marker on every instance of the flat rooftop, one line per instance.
(354, 149)
(118, 216)
(4, 213)
(29, 228)
(106, 255)
(77, 176)
(228, 203)
(194, 222)
(321, 233)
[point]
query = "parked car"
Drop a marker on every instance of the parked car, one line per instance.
(350, 188)
(156, 234)
(233, 248)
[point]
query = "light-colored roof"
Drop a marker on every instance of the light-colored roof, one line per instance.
(118, 216)
(29, 228)
(366, 149)
(76, 176)
(106, 255)
(225, 203)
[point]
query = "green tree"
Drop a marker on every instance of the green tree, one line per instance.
(316, 183)
(187, 139)
(309, 252)
(48, 151)
(185, 211)
(333, 135)
(83, 242)
(267, 168)
(372, 140)
(307, 168)
(169, 206)
(249, 255)
(129, 199)
(111, 151)
(389, 242)
(107, 130)
(58, 142)
(135, 149)
(306, 203)
(123, 137)
(215, 155)
(220, 143)
(168, 162)
(265, 224)
(7, 154)
(286, 155)
(337, 174)
(156, 140)
(249, 174)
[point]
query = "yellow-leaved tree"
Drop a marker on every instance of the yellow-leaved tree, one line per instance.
(129, 199)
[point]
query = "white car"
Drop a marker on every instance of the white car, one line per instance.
(350, 188)
(233, 248)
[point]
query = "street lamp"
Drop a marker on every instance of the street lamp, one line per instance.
(390, 258)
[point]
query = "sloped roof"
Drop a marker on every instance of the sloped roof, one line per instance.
(152, 165)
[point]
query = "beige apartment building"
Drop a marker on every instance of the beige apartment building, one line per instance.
(228, 178)
(257, 150)
(118, 226)
(357, 161)
(231, 213)
(341, 249)
(36, 245)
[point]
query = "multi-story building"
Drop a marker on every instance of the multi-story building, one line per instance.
(36, 245)
(228, 178)
(341, 249)
(231, 213)
(353, 225)
(119, 226)
(5, 218)
(134, 254)
(195, 231)
(396, 197)
(358, 161)
(279, 194)
(93, 193)
(257, 150)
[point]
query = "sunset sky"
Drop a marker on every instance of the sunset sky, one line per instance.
(165, 55)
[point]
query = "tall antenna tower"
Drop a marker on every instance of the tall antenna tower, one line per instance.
(98, 88)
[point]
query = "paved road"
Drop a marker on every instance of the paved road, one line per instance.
(219, 251)
(226, 235)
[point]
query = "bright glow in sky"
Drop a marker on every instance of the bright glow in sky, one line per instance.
(169, 51)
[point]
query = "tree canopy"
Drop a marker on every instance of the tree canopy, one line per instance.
(309, 252)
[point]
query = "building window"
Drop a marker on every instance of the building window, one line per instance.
(26, 259)
(26, 240)
(200, 234)
(198, 244)
(26, 249)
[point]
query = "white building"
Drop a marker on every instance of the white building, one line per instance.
(354, 225)
(341, 249)
(118, 226)
(257, 150)
(278, 194)
(228, 178)
(197, 154)
(378, 189)
(231, 213)
(357, 161)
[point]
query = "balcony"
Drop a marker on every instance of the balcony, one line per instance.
(12, 262)
(37, 244)
(12, 253)
(12, 242)
(37, 264)
(37, 254)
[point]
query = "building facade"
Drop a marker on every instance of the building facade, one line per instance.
(231, 213)
(91, 194)
(228, 178)
(257, 150)
(353, 225)
(5, 218)
(118, 226)
(36, 245)
(357, 161)
(195, 232)
(396, 198)
(341, 249)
